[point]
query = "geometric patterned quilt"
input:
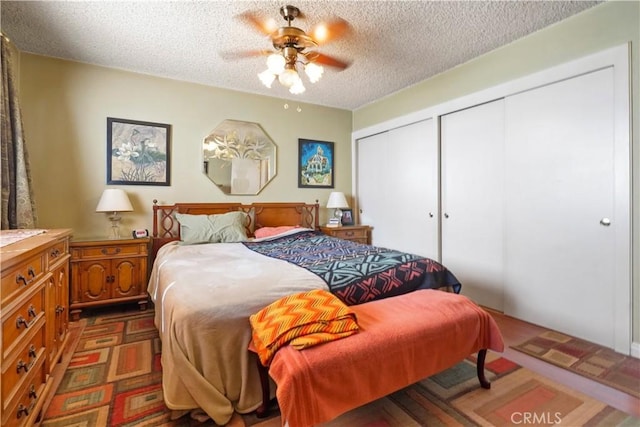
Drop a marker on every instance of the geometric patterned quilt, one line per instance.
(358, 273)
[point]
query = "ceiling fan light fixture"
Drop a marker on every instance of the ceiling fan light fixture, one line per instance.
(267, 78)
(288, 77)
(276, 63)
(297, 88)
(291, 47)
(320, 33)
(313, 71)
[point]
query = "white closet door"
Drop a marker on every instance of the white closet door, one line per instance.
(413, 198)
(472, 145)
(372, 185)
(560, 191)
(398, 188)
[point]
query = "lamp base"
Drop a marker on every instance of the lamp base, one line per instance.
(114, 231)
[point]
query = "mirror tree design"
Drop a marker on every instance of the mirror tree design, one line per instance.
(239, 157)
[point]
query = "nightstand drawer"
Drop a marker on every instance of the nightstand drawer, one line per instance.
(350, 234)
(100, 252)
(354, 233)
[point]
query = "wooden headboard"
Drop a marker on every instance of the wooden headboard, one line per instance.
(166, 228)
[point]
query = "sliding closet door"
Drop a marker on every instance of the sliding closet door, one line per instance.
(373, 184)
(398, 188)
(472, 145)
(560, 206)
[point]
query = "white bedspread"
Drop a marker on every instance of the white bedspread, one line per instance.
(203, 297)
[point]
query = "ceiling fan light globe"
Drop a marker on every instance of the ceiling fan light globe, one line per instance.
(313, 71)
(320, 33)
(297, 88)
(267, 78)
(276, 63)
(288, 77)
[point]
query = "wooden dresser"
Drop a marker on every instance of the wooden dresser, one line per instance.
(355, 233)
(35, 315)
(108, 271)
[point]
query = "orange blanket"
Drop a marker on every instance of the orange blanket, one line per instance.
(301, 320)
(402, 340)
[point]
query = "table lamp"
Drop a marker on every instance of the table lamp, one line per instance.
(114, 200)
(337, 201)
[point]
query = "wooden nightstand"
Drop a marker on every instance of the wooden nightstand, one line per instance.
(108, 271)
(355, 233)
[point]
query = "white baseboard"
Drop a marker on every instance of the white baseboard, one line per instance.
(635, 349)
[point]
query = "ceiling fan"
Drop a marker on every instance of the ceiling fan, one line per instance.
(292, 46)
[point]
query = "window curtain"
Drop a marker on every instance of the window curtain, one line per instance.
(18, 208)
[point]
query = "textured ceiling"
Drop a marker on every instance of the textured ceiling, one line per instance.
(391, 44)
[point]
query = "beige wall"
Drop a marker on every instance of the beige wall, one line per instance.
(604, 26)
(65, 106)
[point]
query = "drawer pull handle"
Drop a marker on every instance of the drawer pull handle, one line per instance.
(105, 251)
(349, 233)
(31, 272)
(59, 309)
(20, 321)
(31, 311)
(22, 365)
(55, 253)
(32, 392)
(32, 351)
(24, 410)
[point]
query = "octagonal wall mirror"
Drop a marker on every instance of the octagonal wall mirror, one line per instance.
(239, 157)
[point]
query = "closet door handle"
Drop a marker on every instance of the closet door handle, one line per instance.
(605, 221)
(430, 214)
(446, 215)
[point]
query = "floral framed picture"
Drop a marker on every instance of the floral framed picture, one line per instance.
(315, 164)
(138, 153)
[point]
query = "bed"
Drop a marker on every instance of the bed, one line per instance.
(205, 293)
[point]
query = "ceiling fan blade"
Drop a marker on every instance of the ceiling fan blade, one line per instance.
(265, 27)
(231, 55)
(326, 32)
(327, 60)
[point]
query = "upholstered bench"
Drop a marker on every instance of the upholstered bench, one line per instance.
(402, 340)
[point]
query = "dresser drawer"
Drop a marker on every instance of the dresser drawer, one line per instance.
(99, 252)
(16, 370)
(19, 409)
(19, 279)
(15, 326)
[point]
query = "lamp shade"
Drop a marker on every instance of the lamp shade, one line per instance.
(114, 200)
(337, 200)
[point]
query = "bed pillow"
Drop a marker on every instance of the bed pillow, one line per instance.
(273, 231)
(220, 228)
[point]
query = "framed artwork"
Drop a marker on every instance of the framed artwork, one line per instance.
(347, 217)
(138, 153)
(315, 164)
